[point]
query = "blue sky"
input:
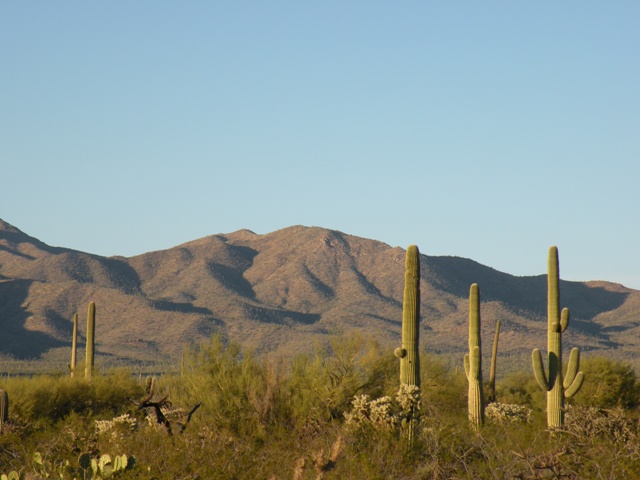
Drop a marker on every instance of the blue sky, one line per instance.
(487, 130)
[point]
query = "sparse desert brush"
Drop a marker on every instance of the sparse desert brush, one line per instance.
(443, 387)
(520, 388)
(51, 398)
(266, 418)
(323, 385)
(240, 393)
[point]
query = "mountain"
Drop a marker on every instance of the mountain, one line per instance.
(284, 292)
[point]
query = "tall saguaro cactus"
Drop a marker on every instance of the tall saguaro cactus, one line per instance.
(492, 369)
(91, 340)
(557, 387)
(4, 408)
(74, 346)
(473, 360)
(408, 353)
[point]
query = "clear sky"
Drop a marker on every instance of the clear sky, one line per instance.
(487, 130)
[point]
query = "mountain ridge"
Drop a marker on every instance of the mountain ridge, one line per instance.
(282, 292)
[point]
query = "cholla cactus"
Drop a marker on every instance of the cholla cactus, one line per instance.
(381, 413)
(408, 399)
(117, 425)
(594, 422)
(507, 413)
(386, 413)
(360, 414)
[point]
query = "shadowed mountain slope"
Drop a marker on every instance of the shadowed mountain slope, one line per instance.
(283, 291)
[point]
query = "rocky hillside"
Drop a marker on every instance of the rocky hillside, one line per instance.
(284, 291)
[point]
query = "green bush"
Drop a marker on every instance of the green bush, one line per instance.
(608, 384)
(241, 394)
(323, 386)
(51, 398)
(442, 386)
(521, 388)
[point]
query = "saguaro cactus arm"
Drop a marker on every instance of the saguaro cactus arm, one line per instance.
(538, 370)
(467, 365)
(472, 363)
(564, 319)
(573, 379)
(572, 368)
(575, 386)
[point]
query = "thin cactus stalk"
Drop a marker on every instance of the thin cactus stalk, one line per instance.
(557, 388)
(492, 371)
(91, 339)
(408, 353)
(4, 408)
(473, 361)
(74, 346)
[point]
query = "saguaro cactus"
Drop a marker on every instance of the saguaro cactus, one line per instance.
(473, 360)
(4, 408)
(494, 359)
(91, 340)
(408, 353)
(74, 346)
(556, 387)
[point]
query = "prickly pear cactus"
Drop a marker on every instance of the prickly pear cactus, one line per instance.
(13, 475)
(557, 387)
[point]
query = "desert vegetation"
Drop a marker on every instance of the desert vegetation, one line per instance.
(342, 412)
(336, 414)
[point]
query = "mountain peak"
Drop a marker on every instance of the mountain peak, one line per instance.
(282, 291)
(7, 227)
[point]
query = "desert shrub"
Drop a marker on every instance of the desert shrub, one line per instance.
(324, 384)
(114, 390)
(521, 388)
(442, 387)
(51, 398)
(239, 392)
(273, 419)
(608, 384)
